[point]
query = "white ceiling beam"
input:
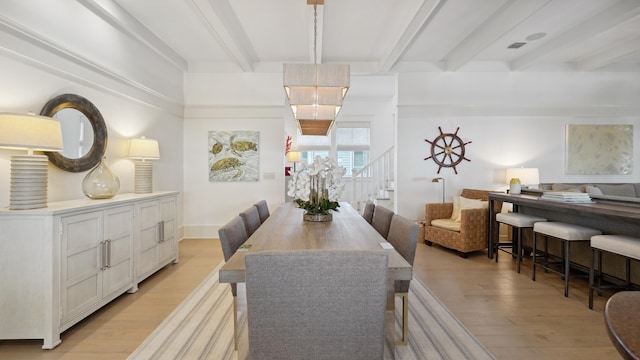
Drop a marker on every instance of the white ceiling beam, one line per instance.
(420, 21)
(600, 22)
(610, 55)
(502, 21)
(116, 16)
(223, 24)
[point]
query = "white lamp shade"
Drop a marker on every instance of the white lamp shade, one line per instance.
(143, 148)
(527, 176)
(293, 156)
(21, 131)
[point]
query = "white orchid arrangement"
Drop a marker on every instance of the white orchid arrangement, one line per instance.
(317, 187)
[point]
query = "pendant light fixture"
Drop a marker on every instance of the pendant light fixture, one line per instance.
(315, 91)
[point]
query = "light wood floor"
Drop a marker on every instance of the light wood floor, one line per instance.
(511, 315)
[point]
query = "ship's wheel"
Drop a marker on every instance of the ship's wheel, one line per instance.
(447, 150)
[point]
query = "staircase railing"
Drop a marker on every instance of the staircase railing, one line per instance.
(375, 181)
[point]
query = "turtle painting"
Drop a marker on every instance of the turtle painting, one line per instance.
(233, 155)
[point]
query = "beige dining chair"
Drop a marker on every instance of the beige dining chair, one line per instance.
(368, 211)
(382, 220)
(403, 235)
(263, 210)
(251, 219)
(316, 304)
(232, 235)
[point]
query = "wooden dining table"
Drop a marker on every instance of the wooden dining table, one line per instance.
(286, 230)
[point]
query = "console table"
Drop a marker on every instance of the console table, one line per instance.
(61, 263)
(611, 218)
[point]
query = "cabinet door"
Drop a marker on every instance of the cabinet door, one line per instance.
(118, 234)
(168, 247)
(81, 255)
(148, 238)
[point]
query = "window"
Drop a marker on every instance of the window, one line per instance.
(352, 145)
(348, 142)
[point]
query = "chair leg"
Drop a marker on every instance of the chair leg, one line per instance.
(535, 251)
(405, 317)
(235, 323)
(591, 276)
(566, 267)
(519, 254)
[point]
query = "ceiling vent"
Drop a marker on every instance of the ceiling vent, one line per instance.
(516, 45)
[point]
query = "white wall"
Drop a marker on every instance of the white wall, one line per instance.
(43, 54)
(256, 101)
(511, 119)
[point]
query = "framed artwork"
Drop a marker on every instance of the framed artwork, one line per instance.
(599, 149)
(234, 156)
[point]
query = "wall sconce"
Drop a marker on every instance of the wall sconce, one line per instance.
(29, 172)
(294, 157)
(437, 180)
(141, 150)
(526, 177)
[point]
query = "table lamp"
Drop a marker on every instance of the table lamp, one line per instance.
(526, 177)
(29, 172)
(294, 157)
(142, 150)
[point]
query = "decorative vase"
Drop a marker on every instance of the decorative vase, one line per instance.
(514, 186)
(317, 217)
(101, 182)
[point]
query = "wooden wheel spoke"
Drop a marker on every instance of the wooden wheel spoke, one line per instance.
(447, 150)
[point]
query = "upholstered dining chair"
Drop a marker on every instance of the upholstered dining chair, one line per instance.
(232, 235)
(316, 304)
(368, 211)
(263, 210)
(251, 219)
(382, 220)
(403, 235)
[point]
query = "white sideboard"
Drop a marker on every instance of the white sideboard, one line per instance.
(61, 263)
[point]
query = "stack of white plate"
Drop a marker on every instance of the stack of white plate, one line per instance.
(28, 182)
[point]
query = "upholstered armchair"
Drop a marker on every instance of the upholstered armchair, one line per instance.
(465, 234)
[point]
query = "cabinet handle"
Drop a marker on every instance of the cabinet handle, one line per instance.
(108, 246)
(103, 255)
(161, 231)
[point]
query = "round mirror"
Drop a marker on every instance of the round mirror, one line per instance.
(84, 132)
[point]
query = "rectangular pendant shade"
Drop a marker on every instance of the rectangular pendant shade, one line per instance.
(315, 93)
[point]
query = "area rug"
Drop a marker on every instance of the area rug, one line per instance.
(201, 327)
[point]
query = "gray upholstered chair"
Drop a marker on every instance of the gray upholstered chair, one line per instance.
(232, 235)
(368, 211)
(251, 219)
(382, 220)
(263, 210)
(316, 304)
(403, 235)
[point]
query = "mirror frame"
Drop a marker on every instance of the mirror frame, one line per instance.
(99, 146)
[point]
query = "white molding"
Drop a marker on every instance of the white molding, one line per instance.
(36, 50)
(425, 111)
(234, 112)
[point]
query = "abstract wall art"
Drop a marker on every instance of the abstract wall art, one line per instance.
(599, 149)
(234, 156)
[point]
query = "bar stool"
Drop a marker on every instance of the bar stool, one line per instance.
(626, 246)
(518, 221)
(566, 233)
